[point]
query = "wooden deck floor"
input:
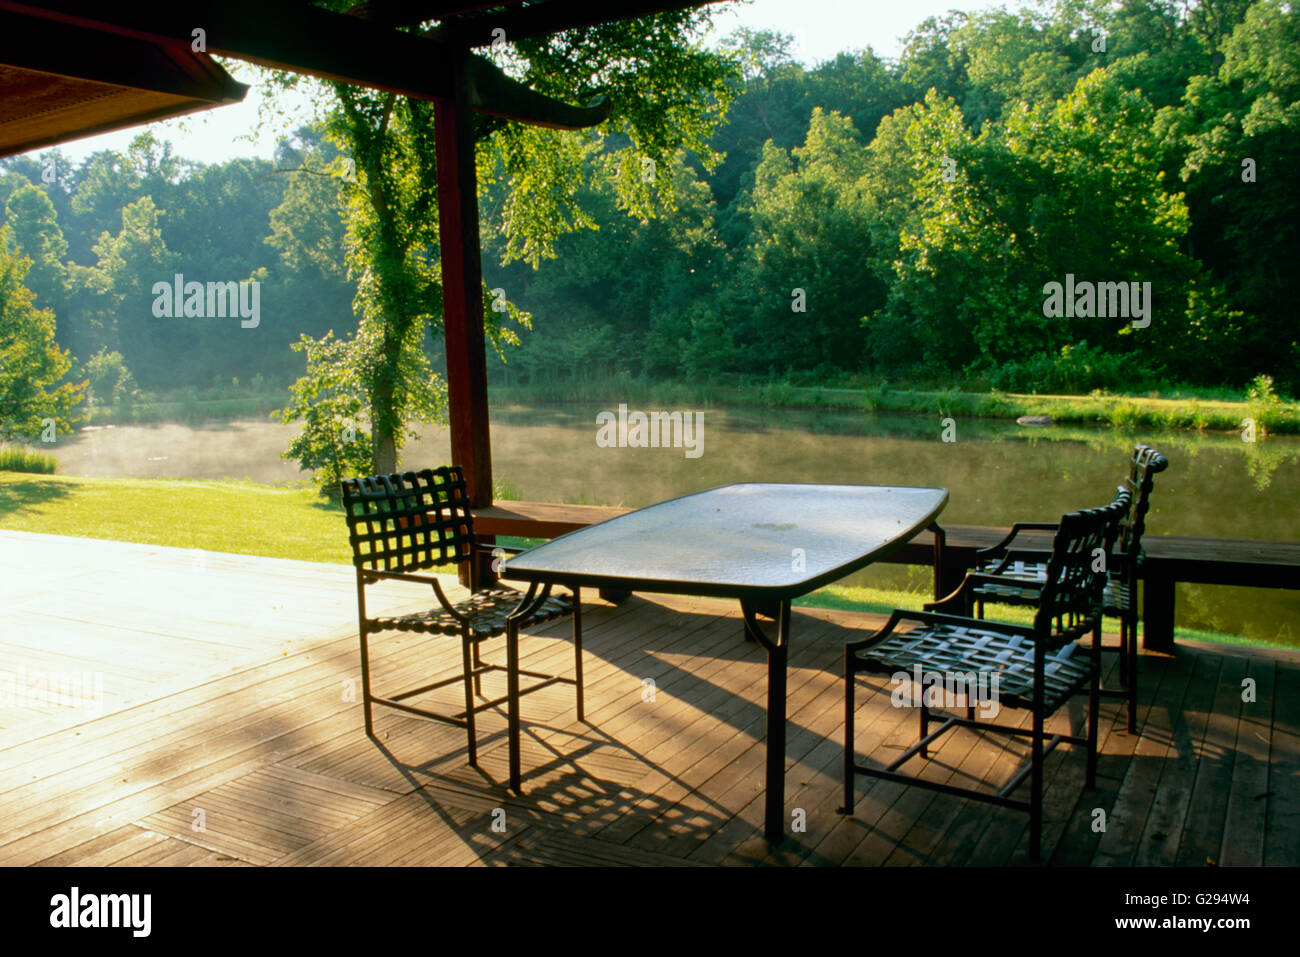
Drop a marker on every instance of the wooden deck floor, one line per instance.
(223, 735)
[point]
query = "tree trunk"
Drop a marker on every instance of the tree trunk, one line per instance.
(385, 454)
(383, 439)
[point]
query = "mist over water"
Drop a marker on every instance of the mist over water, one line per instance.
(242, 450)
(997, 473)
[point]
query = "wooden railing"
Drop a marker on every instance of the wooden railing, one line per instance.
(1169, 559)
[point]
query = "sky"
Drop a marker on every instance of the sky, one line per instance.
(821, 28)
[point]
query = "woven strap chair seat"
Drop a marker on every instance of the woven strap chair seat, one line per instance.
(958, 649)
(1117, 599)
(486, 610)
(1018, 569)
(1026, 594)
(1033, 574)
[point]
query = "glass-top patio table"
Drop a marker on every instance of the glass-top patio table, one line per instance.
(763, 544)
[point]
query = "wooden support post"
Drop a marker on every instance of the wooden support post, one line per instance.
(462, 295)
(1157, 610)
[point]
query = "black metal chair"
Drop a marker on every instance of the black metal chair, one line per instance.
(1023, 571)
(405, 523)
(1036, 667)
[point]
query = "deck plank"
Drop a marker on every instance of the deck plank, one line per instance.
(212, 711)
(1162, 834)
(1246, 813)
(1133, 801)
(1202, 828)
(1283, 825)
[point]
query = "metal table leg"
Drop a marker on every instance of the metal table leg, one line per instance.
(777, 657)
(526, 606)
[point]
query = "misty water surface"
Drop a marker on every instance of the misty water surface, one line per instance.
(1216, 484)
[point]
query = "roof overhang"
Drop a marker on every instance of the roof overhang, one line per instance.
(61, 81)
(74, 68)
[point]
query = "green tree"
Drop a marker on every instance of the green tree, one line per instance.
(774, 100)
(1101, 211)
(982, 223)
(110, 380)
(307, 233)
(932, 60)
(119, 298)
(307, 227)
(614, 299)
(34, 226)
(33, 395)
(329, 401)
(1016, 58)
(802, 289)
(1239, 131)
(919, 182)
(667, 94)
(771, 103)
(109, 181)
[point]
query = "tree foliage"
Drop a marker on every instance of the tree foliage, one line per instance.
(667, 95)
(919, 205)
(35, 403)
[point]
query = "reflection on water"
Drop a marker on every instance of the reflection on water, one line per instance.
(998, 472)
(1264, 458)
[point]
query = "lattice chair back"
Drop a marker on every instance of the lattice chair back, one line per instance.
(409, 521)
(1070, 602)
(1143, 467)
(1123, 510)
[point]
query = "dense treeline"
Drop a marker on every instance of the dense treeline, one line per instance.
(896, 219)
(915, 212)
(102, 234)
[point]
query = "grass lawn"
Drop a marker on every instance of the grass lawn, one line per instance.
(237, 517)
(882, 601)
(244, 518)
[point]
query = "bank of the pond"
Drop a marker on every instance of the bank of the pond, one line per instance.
(190, 409)
(294, 522)
(1216, 410)
(1197, 413)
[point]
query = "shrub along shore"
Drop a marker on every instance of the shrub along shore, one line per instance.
(1223, 411)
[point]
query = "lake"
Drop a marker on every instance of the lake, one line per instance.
(1216, 484)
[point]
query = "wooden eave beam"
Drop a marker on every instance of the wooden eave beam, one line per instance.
(63, 82)
(298, 38)
(492, 91)
(541, 19)
(65, 50)
(409, 13)
(305, 39)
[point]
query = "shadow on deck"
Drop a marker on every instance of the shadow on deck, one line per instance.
(230, 735)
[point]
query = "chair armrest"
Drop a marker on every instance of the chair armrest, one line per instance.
(935, 618)
(446, 605)
(969, 582)
(493, 549)
(431, 580)
(1016, 529)
(375, 576)
(894, 618)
